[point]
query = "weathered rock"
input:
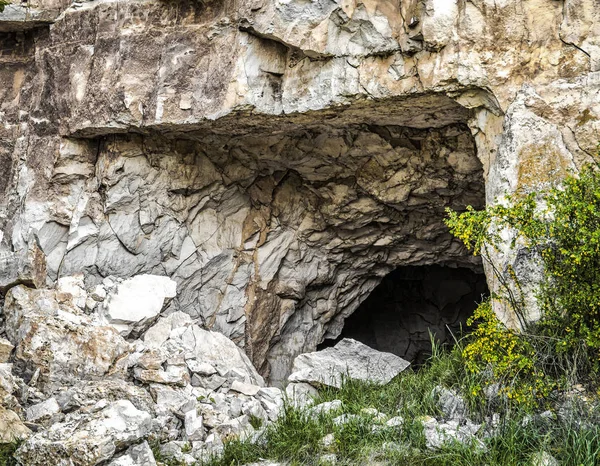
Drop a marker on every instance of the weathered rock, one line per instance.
(43, 412)
(60, 341)
(26, 266)
(300, 393)
(194, 426)
(6, 348)
(87, 439)
(202, 350)
(11, 427)
(439, 433)
(325, 408)
(277, 160)
(245, 388)
(137, 302)
(86, 393)
(136, 455)
(349, 358)
(543, 458)
(452, 405)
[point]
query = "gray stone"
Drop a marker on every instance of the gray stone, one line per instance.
(26, 266)
(543, 458)
(245, 388)
(11, 427)
(452, 405)
(54, 336)
(42, 412)
(194, 426)
(349, 358)
(135, 455)
(87, 439)
(327, 407)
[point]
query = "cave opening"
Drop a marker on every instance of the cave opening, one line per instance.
(410, 304)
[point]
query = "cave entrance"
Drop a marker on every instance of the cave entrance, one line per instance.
(409, 303)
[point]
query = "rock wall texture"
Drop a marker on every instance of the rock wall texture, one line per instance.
(276, 159)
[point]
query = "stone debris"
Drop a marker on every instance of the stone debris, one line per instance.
(137, 302)
(451, 404)
(54, 336)
(11, 427)
(437, 434)
(87, 438)
(349, 358)
(135, 455)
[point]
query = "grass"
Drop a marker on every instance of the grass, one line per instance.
(6, 454)
(296, 437)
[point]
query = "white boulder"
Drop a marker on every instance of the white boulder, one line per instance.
(349, 358)
(137, 302)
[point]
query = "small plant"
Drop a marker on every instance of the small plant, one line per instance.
(255, 421)
(7, 451)
(186, 448)
(3, 3)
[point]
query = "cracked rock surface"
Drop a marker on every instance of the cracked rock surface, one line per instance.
(192, 194)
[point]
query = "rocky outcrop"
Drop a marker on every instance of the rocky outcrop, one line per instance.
(275, 160)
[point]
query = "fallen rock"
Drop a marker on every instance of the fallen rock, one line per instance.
(11, 427)
(451, 404)
(59, 340)
(86, 393)
(301, 394)
(245, 388)
(43, 412)
(6, 348)
(543, 458)
(194, 426)
(87, 439)
(325, 408)
(137, 302)
(349, 358)
(438, 434)
(204, 348)
(136, 455)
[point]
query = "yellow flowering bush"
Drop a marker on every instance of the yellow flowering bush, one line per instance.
(507, 355)
(562, 226)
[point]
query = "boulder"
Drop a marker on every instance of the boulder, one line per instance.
(349, 358)
(11, 427)
(87, 439)
(137, 302)
(136, 455)
(42, 412)
(58, 339)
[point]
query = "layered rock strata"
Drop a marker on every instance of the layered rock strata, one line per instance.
(277, 159)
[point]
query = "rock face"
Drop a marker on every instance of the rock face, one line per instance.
(276, 159)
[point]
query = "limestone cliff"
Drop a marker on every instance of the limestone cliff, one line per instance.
(277, 158)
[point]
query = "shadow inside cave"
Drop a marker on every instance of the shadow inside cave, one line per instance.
(410, 303)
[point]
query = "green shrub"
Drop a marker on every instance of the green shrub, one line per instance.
(561, 226)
